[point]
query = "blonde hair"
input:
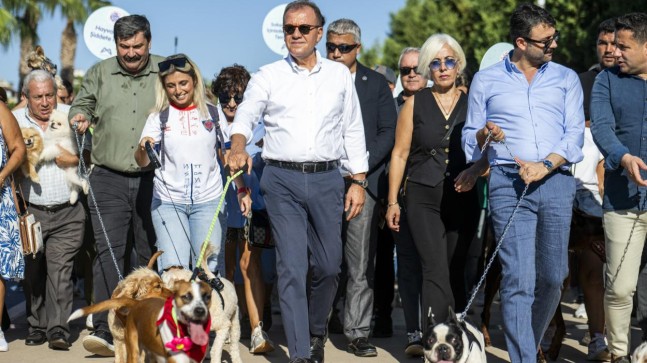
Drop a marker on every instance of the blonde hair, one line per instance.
(199, 91)
(432, 46)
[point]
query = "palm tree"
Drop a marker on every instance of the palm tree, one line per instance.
(23, 16)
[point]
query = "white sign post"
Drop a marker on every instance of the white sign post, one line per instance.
(98, 31)
(273, 30)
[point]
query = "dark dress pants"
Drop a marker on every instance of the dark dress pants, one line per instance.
(48, 275)
(124, 202)
(305, 211)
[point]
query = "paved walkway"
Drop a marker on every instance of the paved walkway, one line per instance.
(389, 349)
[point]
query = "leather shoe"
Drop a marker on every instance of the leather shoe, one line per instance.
(316, 350)
(362, 348)
(58, 341)
(36, 337)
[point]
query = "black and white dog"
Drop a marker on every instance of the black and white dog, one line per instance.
(453, 341)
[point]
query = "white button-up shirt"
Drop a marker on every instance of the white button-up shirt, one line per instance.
(309, 115)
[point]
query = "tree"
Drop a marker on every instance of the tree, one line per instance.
(478, 24)
(26, 14)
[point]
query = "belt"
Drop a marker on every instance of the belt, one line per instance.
(305, 167)
(135, 174)
(50, 208)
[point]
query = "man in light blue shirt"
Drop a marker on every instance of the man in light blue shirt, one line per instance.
(533, 109)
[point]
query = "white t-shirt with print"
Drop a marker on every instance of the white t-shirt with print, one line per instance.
(190, 173)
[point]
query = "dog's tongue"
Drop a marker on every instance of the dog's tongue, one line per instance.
(197, 334)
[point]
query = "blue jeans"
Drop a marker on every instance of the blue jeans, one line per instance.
(534, 253)
(175, 225)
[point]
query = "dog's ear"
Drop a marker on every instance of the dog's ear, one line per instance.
(431, 321)
(452, 316)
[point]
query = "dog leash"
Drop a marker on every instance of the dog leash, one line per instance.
(462, 315)
(84, 171)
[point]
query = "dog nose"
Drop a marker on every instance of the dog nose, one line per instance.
(444, 352)
(200, 311)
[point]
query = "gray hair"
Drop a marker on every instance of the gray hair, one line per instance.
(127, 27)
(407, 50)
(431, 48)
(39, 76)
(345, 26)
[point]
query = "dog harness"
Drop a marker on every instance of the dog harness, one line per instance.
(183, 340)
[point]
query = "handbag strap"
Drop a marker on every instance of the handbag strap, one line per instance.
(15, 196)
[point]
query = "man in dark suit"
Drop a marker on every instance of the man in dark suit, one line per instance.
(343, 42)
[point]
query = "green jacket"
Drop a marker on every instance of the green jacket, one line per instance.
(118, 104)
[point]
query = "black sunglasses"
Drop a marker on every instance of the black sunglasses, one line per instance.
(343, 48)
(303, 28)
(546, 43)
(435, 64)
(224, 98)
(167, 63)
(405, 71)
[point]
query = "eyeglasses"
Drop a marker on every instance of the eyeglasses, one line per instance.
(303, 28)
(449, 63)
(546, 43)
(166, 64)
(405, 71)
(225, 97)
(343, 48)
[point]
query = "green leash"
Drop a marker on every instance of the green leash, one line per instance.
(203, 250)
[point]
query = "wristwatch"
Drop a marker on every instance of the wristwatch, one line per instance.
(548, 164)
(362, 183)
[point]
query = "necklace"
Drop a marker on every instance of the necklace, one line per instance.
(451, 107)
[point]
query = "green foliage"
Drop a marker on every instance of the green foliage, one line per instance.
(372, 56)
(8, 25)
(478, 24)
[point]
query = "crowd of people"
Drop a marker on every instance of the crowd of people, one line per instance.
(347, 175)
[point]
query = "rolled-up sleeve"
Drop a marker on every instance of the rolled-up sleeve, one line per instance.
(476, 118)
(353, 132)
(254, 103)
(85, 100)
(570, 146)
(603, 123)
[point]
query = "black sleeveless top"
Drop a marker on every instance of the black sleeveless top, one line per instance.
(434, 157)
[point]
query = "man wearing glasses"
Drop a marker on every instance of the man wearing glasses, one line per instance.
(116, 96)
(312, 120)
(343, 42)
(618, 127)
(532, 110)
(411, 81)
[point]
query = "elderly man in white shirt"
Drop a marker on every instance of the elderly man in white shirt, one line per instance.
(312, 119)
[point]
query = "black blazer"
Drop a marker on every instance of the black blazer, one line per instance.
(380, 117)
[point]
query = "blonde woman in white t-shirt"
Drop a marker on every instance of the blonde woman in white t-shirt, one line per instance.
(188, 185)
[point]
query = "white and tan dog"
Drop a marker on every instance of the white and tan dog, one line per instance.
(640, 354)
(59, 136)
(173, 329)
(224, 321)
(453, 341)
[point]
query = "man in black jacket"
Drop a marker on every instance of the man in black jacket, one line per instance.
(343, 42)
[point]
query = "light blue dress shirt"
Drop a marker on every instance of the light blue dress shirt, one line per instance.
(539, 118)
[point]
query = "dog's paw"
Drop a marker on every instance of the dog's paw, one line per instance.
(74, 196)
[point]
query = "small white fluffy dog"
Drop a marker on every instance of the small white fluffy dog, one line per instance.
(640, 354)
(223, 321)
(59, 133)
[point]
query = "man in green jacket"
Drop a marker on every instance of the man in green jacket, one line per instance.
(116, 97)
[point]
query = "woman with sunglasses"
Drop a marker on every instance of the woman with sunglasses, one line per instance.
(188, 182)
(428, 146)
(229, 87)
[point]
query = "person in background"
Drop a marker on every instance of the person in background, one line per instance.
(442, 221)
(412, 82)
(312, 119)
(388, 74)
(64, 91)
(12, 154)
(540, 143)
(589, 177)
(126, 190)
(343, 44)
(229, 86)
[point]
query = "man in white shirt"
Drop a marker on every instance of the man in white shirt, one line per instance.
(312, 119)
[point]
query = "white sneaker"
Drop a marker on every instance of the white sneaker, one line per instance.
(88, 322)
(3, 342)
(580, 313)
(260, 343)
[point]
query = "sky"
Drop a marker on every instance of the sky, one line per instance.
(214, 33)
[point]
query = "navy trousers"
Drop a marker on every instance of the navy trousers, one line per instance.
(306, 215)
